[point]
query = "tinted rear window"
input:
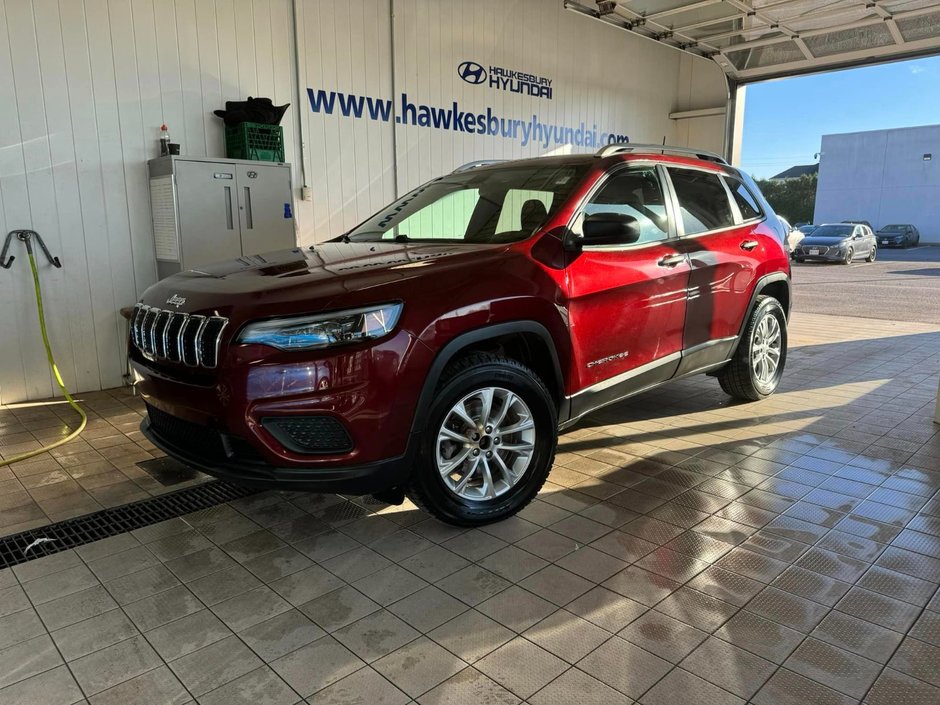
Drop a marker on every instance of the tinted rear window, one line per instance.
(746, 201)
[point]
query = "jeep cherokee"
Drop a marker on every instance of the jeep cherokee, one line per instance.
(437, 349)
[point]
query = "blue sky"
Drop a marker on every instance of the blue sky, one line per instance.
(784, 120)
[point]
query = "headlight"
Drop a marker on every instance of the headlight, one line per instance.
(324, 330)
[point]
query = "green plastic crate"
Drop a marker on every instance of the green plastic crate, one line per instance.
(252, 140)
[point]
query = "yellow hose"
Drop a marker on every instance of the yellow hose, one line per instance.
(58, 378)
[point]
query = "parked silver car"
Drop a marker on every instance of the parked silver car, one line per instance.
(838, 242)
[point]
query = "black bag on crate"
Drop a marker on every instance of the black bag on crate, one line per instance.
(258, 110)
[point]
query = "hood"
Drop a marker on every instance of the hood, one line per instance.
(809, 241)
(309, 279)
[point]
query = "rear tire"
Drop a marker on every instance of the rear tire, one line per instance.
(496, 477)
(744, 377)
(872, 255)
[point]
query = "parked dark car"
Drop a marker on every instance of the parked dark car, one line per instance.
(838, 242)
(437, 348)
(898, 235)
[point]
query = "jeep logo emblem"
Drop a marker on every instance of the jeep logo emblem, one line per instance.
(471, 72)
(176, 300)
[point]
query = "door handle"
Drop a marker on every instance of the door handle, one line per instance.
(671, 260)
(749, 245)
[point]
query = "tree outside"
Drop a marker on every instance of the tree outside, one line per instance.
(794, 199)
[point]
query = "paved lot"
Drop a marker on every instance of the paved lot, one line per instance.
(685, 550)
(901, 285)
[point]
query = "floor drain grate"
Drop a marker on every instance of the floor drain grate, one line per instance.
(72, 533)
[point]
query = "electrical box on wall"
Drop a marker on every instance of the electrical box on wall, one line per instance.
(207, 210)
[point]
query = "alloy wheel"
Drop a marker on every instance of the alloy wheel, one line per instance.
(485, 444)
(766, 349)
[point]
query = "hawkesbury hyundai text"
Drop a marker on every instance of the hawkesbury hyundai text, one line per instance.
(435, 350)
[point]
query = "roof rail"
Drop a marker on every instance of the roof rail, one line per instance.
(473, 165)
(623, 148)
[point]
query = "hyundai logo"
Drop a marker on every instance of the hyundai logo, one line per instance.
(471, 72)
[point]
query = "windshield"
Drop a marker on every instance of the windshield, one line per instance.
(894, 229)
(485, 206)
(833, 231)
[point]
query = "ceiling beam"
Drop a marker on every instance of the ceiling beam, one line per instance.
(769, 28)
(659, 31)
(895, 32)
(682, 8)
(801, 45)
(869, 55)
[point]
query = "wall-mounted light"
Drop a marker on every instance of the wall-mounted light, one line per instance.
(928, 157)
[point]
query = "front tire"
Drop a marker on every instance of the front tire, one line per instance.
(489, 442)
(755, 371)
(849, 256)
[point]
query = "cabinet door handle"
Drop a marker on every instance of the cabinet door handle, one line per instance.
(671, 260)
(249, 223)
(749, 245)
(229, 225)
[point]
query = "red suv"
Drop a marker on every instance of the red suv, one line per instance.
(436, 349)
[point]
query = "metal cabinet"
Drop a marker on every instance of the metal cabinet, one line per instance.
(207, 210)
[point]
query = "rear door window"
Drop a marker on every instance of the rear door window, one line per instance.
(703, 201)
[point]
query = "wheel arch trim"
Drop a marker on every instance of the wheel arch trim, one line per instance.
(759, 288)
(461, 342)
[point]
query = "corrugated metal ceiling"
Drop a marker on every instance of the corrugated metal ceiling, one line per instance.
(761, 39)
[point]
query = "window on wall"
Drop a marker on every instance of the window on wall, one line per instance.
(638, 194)
(746, 201)
(703, 201)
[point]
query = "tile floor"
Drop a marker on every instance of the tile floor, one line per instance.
(104, 467)
(685, 550)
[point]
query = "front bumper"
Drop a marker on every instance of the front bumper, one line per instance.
(830, 256)
(230, 421)
(245, 469)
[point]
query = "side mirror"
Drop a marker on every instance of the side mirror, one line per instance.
(607, 229)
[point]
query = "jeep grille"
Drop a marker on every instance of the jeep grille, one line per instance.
(177, 337)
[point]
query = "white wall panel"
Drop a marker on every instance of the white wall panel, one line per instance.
(881, 176)
(85, 85)
(600, 77)
(349, 162)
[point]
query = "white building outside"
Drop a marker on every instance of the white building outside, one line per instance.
(882, 176)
